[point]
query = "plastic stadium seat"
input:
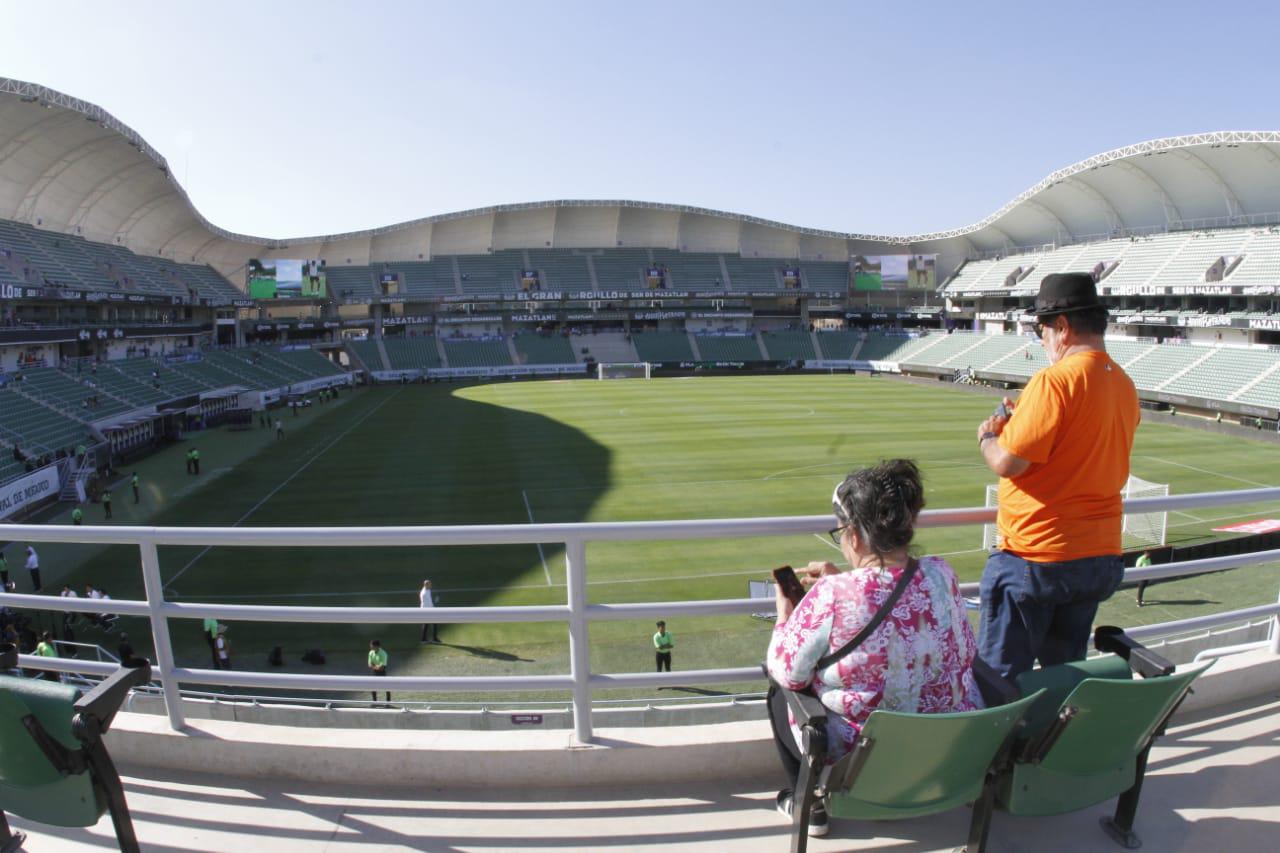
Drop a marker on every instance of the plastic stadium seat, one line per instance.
(1089, 735)
(54, 767)
(906, 765)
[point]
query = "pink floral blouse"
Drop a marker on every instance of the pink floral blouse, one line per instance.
(919, 660)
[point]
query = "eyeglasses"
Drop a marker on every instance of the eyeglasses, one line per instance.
(837, 534)
(1039, 327)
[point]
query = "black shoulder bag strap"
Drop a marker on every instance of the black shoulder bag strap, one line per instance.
(907, 574)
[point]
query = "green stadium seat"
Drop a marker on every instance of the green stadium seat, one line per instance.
(905, 765)
(728, 348)
(54, 767)
(789, 345)
(535, 348)
(662, 346)
(1090, 731)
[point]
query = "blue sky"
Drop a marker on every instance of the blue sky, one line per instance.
(286, 119)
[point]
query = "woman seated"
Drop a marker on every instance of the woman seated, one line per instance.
(919, 659)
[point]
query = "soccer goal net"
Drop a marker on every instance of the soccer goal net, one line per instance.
(624, 370)
(1139, 530)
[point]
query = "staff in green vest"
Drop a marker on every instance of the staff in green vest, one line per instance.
(211, 637)
(663, 643)
(1141, 563)
(189, 462)
(46, 649)
(77, 516)
(137, 498)
(106, 502)
(195, 461)
(378, 664)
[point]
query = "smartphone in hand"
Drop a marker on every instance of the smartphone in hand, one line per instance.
(1002, 411)
(785, 578)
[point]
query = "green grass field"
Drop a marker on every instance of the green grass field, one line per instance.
(560, 451)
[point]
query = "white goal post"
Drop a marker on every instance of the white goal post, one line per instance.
(624, 370)
(1140, 529)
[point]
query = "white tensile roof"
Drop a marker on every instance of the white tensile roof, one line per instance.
(68, 165)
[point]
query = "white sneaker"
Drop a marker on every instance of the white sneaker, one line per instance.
(818, 825)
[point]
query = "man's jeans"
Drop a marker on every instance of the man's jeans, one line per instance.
(1041, 611)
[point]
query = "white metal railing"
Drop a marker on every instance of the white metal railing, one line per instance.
(576, 611)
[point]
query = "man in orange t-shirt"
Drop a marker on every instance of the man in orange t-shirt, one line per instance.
(1063, 460)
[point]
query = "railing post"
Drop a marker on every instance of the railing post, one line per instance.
(160, 632)
(1275, 634)
(575, 560)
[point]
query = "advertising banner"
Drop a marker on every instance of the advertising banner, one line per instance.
(31, 489)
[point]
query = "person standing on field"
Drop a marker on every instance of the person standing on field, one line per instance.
(222, 649)
(137, 498)
(279, 428)
(426, 600)
(378, 664)
(210, 631)
(195, 461)
(77, 516)
(1062, 456)
(663, 643)
(4, 571)
(106, 503)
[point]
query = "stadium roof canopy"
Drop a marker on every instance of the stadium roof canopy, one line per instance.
(68, 165)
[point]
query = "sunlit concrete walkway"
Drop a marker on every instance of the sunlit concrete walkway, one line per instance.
(1212, 785)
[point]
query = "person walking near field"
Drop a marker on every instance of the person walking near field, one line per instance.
(210, 631)
(77, 516)
(33, 567)
(137, 498)
(106, 503)
(378, 664)
(4, 571)
(663, 643)
(279, 428)
(195, 461)
(426, 599)
(190, 463)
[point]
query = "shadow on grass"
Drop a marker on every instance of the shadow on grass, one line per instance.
(491, 654)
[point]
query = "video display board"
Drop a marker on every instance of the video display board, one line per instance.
(281, 278)
(893, 272)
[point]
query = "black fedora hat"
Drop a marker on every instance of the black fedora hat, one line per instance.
(1064, 292)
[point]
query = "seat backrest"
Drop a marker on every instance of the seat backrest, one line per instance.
(29, 785)
(920, 764)
(1096, 756)
(1059, 680)
(1114, 720)
(21, 761)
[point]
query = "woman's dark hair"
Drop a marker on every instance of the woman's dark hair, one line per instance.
(883, 502)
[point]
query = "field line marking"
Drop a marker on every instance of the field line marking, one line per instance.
(541, 555)
(826, 540)
(305, 465)
(1207, 471)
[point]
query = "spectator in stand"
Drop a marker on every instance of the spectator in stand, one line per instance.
(1062, 456)
(918, 659)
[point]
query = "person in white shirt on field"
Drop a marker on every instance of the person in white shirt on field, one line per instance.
(430, 631)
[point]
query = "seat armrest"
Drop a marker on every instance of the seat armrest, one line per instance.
(806, 708)
(97, 708)
(1142, 660)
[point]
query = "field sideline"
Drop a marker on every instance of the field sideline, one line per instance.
(560, 451)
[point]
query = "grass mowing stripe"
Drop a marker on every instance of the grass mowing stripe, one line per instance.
(289, 480)
(1207, 471)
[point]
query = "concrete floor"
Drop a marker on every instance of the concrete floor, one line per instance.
(1212, 785)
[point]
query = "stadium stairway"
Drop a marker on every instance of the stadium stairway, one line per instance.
(693, 347)
(1208, 785)
(382, 352)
